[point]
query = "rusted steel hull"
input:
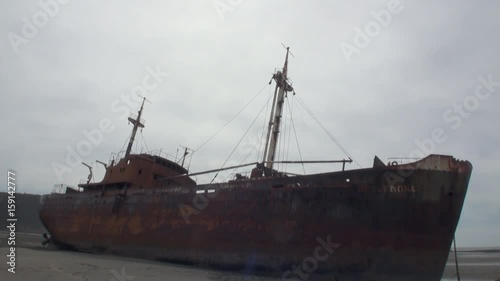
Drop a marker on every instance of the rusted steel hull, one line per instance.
(385, 223)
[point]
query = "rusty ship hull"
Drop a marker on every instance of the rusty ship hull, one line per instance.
(384, 223)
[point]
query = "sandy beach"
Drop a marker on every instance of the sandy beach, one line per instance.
(478, 264)
(34, 262)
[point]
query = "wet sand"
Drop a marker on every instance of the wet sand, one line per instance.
(480, 264)
(34, 262)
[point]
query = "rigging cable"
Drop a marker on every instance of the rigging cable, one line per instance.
(290, 108)
(241, 139)
(281, 155)
(279, 141)
(124, 145)
(456, 260)
(326, 131)
(144, 140)
(258, 142)
(264, 126)
(230, 120)
(297, 141)
(248, 154)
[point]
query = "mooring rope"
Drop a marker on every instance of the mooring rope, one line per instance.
(456, 260)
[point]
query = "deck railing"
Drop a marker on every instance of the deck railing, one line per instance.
(401, 160)
(60, 188)
(116, 157)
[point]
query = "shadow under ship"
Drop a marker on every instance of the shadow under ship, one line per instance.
(388, 222)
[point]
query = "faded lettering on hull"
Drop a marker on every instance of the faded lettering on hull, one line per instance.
(388, 188)
(397, 189)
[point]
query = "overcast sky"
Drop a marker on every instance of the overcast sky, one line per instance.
(380, 75)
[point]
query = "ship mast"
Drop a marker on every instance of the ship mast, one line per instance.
(137, 124)
(282, 87)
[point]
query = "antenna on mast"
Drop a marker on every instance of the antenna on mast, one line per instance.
(288, 49)
(138, 123)
(186, 152)
(145, 99)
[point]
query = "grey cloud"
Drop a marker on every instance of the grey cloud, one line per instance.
(391, 94)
